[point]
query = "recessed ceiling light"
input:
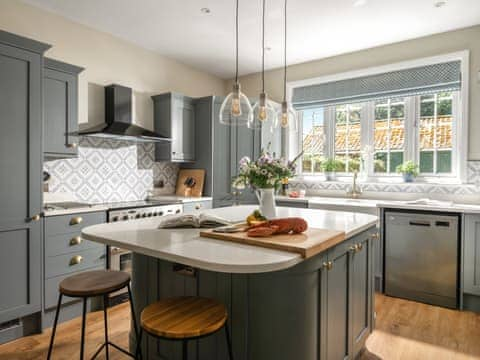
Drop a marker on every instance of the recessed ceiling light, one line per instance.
(439, 4)
(268, 48)
(205, 10)
(358, 3)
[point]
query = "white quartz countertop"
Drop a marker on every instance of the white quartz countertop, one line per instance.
(187, 247)
(182, 199)
(427, 205)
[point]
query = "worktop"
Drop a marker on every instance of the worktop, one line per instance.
(187, 247)
(441, 206)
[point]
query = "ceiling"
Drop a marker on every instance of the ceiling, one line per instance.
(316, 28)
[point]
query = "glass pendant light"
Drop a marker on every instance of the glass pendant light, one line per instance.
(263, 111)
(287, 116)
(236, 109)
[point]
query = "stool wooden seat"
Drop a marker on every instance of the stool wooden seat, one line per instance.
(94, 283)
(89, 284)
(184, 318)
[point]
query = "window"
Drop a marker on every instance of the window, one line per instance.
(348, 136)
(435, 129)
(313, 140)
(389, 135)
(379, 135)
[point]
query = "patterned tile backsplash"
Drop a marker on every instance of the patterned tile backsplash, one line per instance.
(108, 171)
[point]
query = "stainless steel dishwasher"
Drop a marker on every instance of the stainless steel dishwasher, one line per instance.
(421, 257)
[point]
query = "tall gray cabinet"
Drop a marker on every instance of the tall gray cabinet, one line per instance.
(218, 150)
(21, 62)
(60, 85)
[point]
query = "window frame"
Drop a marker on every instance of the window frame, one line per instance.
(293, 141)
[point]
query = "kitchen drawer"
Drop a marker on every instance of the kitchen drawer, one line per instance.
(73, 262)
(196, 206)
(55, 225)
(51, 290)
(68, 243)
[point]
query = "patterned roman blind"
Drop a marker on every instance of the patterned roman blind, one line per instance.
(414, 81)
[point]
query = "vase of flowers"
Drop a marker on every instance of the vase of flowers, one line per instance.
(264, 176)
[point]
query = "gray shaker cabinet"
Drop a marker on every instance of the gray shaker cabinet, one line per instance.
(60, 108)
(21, 176)
(471, 254)
(174, 116)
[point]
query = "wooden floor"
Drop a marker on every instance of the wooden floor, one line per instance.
(404, 330)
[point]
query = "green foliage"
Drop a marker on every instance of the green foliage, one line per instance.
(408, 168)
(331, 165)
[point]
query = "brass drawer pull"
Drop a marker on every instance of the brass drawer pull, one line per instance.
(76, 260)
(35, 217)
(328, 265)
(72, 145)
(77, 240)
(76, 220)
(359, 246)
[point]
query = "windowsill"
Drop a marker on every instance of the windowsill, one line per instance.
(384, 180)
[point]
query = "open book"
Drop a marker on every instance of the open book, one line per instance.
(192, 221)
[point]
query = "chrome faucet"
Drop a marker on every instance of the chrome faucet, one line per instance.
(355, 191)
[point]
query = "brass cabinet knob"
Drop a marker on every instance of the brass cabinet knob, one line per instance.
(76, 220)
(35, 217)
(328, 265)
(198, 207)
(359, 247)
(77, 240)
(72, 145)
(76, 260)
(375, 236)
(354, 248)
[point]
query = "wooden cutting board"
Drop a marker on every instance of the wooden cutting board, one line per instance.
(183, 190)
(307, 244)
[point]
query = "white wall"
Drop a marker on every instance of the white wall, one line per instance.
(107, 60)
(465, 39)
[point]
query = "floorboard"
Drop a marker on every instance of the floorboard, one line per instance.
(404, 330)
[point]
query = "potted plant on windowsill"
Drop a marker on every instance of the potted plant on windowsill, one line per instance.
(330, 167)
(409, 171)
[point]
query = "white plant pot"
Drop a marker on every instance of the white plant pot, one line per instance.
(330, 176)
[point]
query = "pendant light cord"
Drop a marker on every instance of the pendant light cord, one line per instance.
(263, 47)
(236, 41)
(285, 57)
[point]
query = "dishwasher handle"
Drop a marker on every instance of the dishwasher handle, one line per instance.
(419, 223)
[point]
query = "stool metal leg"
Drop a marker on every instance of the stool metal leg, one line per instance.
(82, 341)
(52, 338)
(185, 349)
(134, 319)
(229, 342)
(105, 306)
(138, 350)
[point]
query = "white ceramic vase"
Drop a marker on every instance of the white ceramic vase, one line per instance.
(266, 199)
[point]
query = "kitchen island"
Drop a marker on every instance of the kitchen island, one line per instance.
(281, 306)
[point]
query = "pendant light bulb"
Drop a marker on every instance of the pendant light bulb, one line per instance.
(236, 109)
(288, 117)
(263, 110)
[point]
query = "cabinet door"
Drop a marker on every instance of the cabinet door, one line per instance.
(471, 262)
(360, 291)
(20, 181)
(188, 134)
(60, 113)
(336, 309)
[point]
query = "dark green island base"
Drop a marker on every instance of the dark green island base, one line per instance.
(321, 308)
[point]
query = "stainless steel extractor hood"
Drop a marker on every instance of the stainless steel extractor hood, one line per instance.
(118, 119)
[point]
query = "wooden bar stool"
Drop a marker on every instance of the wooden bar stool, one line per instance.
(89, 284)
(184, 318)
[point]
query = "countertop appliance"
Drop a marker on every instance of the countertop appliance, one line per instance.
(121, 259)
(422, 256)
